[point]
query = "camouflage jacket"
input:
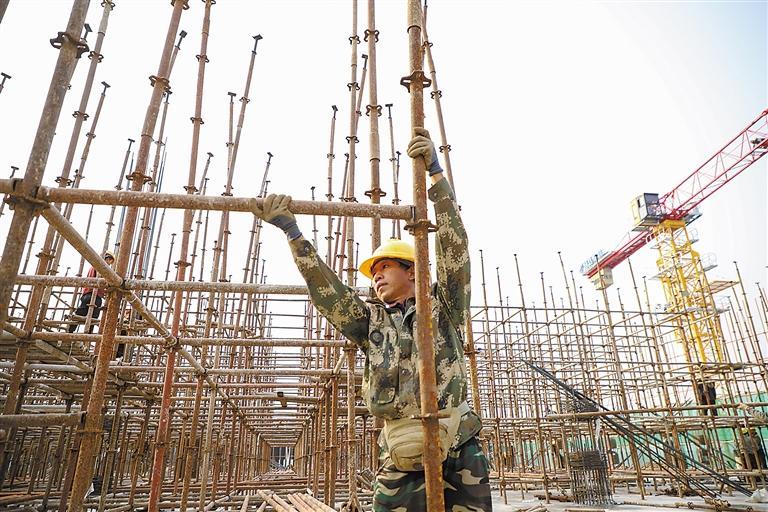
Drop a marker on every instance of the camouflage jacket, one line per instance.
(386, 334)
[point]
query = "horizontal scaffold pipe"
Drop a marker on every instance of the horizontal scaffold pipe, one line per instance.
(288, 372)
(39, 420)
(195, 202)
(192, 342)
(169, 286)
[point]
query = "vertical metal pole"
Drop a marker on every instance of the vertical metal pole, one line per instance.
(57, 458)
(160, 84)
(64, 181)
(752, 331)
(71, 47)
(436, 95)
(80, 115)
(373, 110)
(217, 258)
(192, 451)
(395, 161)
(181, 275)
(428, 381)
(329, 195)
(112, 450)
(622, 391)
(138, 451)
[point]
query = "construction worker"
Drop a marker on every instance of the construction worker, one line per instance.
(383, 328)
(753, 456)
(88, 296)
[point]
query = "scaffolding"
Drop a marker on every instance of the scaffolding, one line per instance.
(193, 389)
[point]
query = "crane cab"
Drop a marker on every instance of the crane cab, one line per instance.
(646, 211)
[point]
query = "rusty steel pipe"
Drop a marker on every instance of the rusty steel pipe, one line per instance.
(19, 333)
(433, 475)
(395, 161)
(373, 110)
(40, 420)
(355, 102)
(160, 83)
(71, 47)
(110, 222)
(111, 450)
(192, 342)
(70, 50)
(233, 147)
(13, 187)
(436, 95)
(191, 452)
(80, 115)
(58, 244)
(329, 194)
(197, 121)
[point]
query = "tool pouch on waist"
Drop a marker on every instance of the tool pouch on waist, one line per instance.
(405, 439)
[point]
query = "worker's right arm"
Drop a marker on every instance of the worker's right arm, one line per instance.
(335, 301)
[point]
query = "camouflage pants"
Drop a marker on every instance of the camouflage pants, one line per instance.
(465, 476)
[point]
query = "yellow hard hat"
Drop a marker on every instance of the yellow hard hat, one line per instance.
(108, 254)
(394, 249)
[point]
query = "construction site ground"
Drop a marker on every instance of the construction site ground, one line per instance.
(653, 503)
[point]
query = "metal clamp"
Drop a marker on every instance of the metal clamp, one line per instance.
(15, 197)
(163, 81)
(413, 226)
(417, 75)
(98, 56)
(368, 33)
(80, 44)
(136, 175)
(61, 179)
(369, 108)
(375, 192)
(172, 343)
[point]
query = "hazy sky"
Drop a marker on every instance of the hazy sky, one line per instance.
(558, 113)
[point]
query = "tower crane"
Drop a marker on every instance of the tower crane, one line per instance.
(664, 219)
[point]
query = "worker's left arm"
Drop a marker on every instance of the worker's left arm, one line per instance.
(451, 246)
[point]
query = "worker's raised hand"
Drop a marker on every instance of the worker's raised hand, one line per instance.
(276, 211)
(422, 146)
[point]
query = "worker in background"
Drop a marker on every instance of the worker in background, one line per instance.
(383, 328)
(753, 457)
(88, 296)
